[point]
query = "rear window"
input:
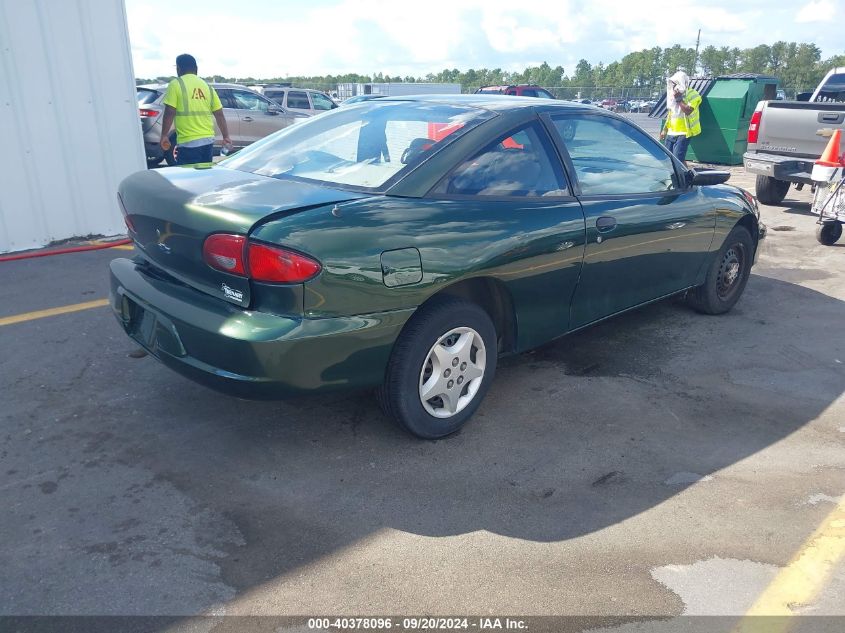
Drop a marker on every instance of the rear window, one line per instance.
(365, 146)
(833, 89)
(146, 96)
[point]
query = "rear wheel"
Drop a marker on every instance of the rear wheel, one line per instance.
(828, 233)
(440, 369)
(771, 191)
(726, 276)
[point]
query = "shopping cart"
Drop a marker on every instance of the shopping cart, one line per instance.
(829, 205)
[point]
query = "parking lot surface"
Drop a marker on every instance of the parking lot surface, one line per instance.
(659, 464)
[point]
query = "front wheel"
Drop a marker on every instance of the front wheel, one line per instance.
(440, 369)
(828, 233)
(727, 275)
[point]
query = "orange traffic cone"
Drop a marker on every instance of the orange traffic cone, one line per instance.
(830, 156)
(828, 166)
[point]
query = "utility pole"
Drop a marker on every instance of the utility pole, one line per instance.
(695, 60)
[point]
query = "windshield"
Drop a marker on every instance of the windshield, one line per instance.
(833, 89)
(362, 146)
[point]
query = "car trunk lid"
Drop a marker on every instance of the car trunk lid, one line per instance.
(172, 212)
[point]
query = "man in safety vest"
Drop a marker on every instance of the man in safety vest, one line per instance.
(682, 116)
(191, 103)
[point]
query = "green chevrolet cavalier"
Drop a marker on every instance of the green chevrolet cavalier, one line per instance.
(406, 243)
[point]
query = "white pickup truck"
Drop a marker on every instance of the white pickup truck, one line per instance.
(786, 137)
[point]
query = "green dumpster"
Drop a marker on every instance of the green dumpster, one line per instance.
(725, 114)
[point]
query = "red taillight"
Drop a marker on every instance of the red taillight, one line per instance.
(278, 265)
(234, 255)
(754, 125)
(146, 112)
(225, 252)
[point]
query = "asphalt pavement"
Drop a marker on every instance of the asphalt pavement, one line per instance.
(664, 463)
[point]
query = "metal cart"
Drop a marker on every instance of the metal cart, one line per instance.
(829, 205)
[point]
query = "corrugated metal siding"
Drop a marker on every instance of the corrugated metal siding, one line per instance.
(68, 119)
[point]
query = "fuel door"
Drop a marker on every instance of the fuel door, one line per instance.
(401, 267)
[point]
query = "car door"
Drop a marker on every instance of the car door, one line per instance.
(648, 233)
(517, 210)
(258, 116)
(230, 113)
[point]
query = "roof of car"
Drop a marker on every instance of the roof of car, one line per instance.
(281, 88)
(494, 102)
(505, 87)
(213, 84)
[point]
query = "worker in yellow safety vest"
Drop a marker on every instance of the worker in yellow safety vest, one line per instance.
(682, 115)
(193, 106)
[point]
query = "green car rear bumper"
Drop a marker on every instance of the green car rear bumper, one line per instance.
(247, 353)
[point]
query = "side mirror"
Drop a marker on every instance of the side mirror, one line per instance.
(707, 177)
(273, 110)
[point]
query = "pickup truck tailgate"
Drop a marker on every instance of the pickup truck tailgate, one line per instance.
(799, 129)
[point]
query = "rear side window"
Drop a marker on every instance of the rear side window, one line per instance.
(275, 95)
(612, 157)
(529, 92)
(520, 164)
(833, 89)
(298, 100)
(145, 97)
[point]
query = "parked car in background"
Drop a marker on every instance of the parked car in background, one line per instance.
(406, 243)
(302, 100)
(609, 104)
(785, 137)
(249, 116)
(522, 90)
(640, 105)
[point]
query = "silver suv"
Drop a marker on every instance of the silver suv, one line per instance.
(249, 116)
(300, 100)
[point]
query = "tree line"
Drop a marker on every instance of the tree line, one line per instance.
(798, 66)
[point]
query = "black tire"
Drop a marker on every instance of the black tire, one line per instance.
(410, 361)
(828, 233)
(771, 191)
(724, 284)
(168, 155)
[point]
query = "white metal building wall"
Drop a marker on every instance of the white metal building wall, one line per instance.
(69, 127)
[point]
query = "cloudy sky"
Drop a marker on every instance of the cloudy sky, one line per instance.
(269, 38)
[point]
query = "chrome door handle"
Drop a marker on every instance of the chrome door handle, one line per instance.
(676, 225)
(247, 118)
